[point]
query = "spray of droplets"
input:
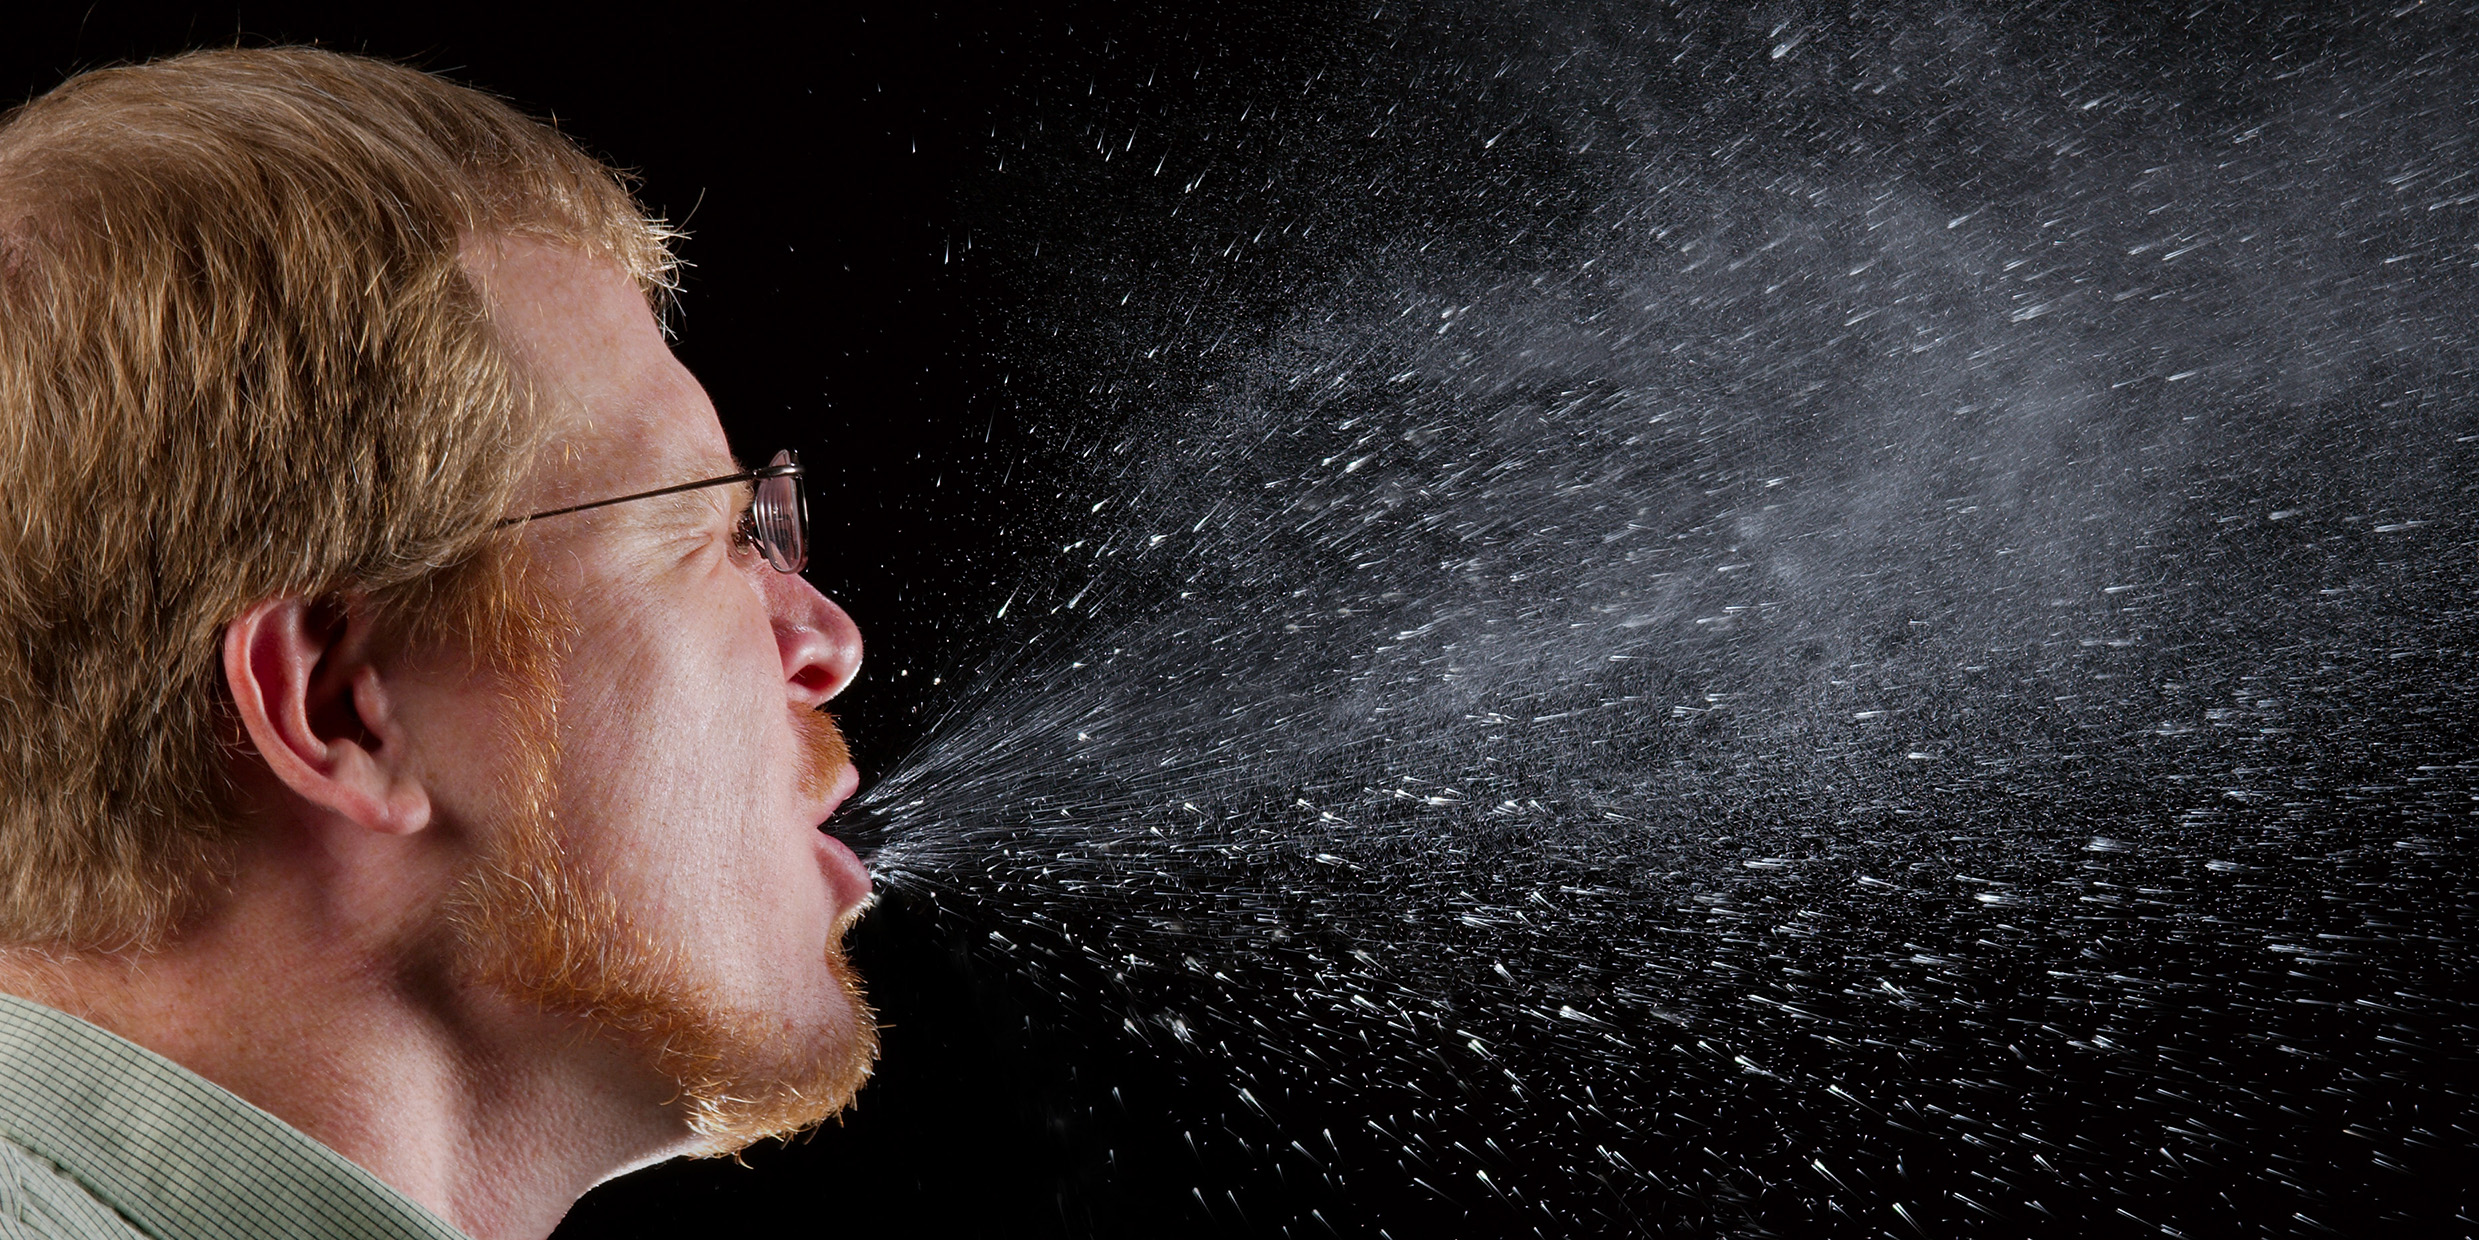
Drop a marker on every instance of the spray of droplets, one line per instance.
(1846, 681)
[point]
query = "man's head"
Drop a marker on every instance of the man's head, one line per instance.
(284, 336)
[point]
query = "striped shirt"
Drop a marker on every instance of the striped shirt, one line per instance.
(103, 1139)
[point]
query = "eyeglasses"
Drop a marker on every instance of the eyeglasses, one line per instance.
(777, 519)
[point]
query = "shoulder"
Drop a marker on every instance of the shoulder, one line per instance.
(39, 1201)
(102, 1138)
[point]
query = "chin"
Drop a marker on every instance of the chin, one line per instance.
(775, 1054)
(749, 1076)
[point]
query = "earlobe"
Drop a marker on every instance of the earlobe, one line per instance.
(318, 714)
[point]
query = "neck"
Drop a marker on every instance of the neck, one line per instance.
(495, 1116)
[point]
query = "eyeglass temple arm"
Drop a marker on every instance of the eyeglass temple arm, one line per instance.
(755, 475)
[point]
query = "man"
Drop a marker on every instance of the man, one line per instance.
(411, 750)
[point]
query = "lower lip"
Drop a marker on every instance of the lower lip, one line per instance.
(845, 875)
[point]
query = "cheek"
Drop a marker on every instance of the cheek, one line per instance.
(678, 783)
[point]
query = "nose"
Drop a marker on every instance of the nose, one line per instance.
(820, 644)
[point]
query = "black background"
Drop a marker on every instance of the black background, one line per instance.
(915, 233)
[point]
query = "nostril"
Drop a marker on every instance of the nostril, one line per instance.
(813, 678)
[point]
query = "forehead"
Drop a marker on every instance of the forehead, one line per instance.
(624, 413)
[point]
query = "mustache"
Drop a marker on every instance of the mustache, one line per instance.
(824, 753)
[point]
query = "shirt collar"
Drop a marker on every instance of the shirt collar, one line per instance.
(176, 1154)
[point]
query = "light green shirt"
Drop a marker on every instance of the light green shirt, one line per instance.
(103, 1139)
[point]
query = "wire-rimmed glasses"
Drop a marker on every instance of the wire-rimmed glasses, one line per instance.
(777, 520)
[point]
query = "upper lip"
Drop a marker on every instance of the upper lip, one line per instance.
(846, 783)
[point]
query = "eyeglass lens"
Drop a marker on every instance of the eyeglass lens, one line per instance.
(781, 511)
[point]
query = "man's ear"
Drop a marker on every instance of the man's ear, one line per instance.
(317, 712)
